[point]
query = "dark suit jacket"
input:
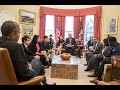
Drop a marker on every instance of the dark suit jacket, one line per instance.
(90, 43)
(68, 41)
(116, 49)
(107, 52)
(51, 43)
(98, 48)
(28, 53)
(18, 58)
(44, 46)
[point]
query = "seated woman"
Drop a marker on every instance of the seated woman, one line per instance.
(79, 46)
(36, 49)
(60, 45)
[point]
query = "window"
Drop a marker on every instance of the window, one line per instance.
(69, 24)
(49, 25)
(89, 28)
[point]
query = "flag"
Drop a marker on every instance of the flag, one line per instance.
(57, 30)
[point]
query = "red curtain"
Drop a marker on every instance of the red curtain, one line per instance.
(96, 11)
(71, 12)
(97, 27)
(76, 26)
(68, 12)
(62, 26)
(83, 27)
(42, 26)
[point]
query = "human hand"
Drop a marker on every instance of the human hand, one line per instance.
(37, 57)
(37, 53)
(30, 66)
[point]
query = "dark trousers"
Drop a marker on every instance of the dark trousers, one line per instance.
(70, 50)
(37, 67)
(43, 60)
(101, 67)
(96, 63)
(90, 62)
(88, 56)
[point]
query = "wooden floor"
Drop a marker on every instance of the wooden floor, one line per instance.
(82, 75)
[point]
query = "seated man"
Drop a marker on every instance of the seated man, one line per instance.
(46, 47)
(51, 41)
(25, 43)
(114, 51)
(90, 42)
(96, 49)
(24, 70)
(70, 44)
(95, 61)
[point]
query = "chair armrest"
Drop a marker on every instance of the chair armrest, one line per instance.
(34, 81)
(107, 73)
(102, 83)
(108, 67)
(108, 83)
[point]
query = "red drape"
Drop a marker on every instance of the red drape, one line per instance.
(96, 11)
(71, 12)
(83, 25)
(76, 26)
(62, 26)
(42, 26)
(68, 12)
(97, 27)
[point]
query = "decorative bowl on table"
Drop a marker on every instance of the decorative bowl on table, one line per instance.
(65, 56)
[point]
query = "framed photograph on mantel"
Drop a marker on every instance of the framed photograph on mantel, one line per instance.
(27, 17)
(113, 26)
(26, 30)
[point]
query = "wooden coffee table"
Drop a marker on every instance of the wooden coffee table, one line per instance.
(67, 69)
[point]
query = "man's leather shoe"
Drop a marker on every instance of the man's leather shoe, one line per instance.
(87, 69)
(47, 83)
(46, 67)
(96, 80)
(85, 64)
(93, 75)
(93, 81)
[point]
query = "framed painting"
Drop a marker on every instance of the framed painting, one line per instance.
(27, 31)
(26, 17)
(113, 26)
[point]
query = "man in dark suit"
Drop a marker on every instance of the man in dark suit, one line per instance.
(96, 49)
(70, 44)
(28, 52)
(90, 42)
(10, 35)
(51, 41)
(114, 51)
(46, 47)
(97, 58)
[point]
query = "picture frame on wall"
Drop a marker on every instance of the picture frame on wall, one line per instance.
(27, 30)
(113, 26)
(27, 17)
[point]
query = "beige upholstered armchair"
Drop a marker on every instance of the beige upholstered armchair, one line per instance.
(111, 75)
(7, 73)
